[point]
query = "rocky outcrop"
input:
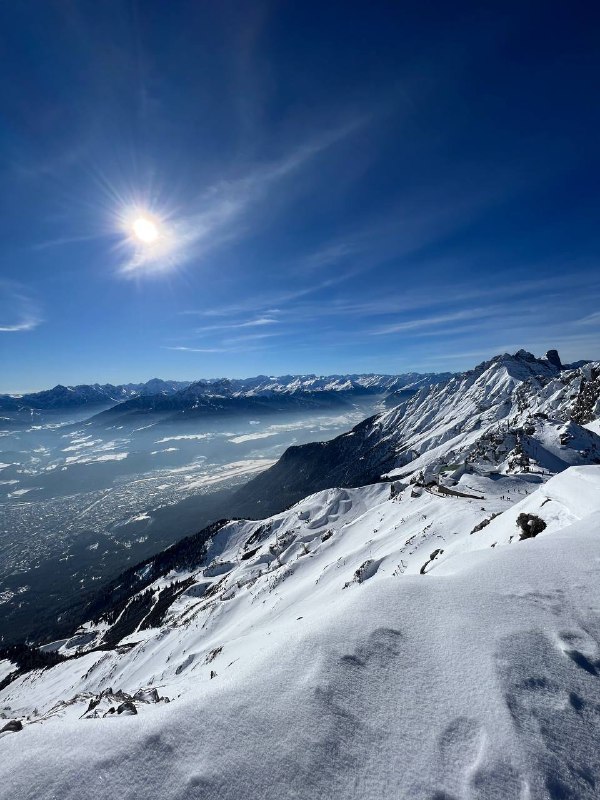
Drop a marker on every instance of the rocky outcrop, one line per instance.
(585, 408)
(553, 358)
(530, 525)
(12, 726)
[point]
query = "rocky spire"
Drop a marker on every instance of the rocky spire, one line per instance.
(553, 358)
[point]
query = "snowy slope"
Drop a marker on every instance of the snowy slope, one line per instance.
(513, 408)
(511, 413)
(365, 643)
(593, 426)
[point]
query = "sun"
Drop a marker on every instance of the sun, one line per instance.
(149, 238)
(145, 230)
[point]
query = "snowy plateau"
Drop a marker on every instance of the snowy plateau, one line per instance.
(430, 632)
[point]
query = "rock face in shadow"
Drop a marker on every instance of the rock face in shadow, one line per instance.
(352, 459)
(553, 358)
(585, 408)
(13, 726)
(530, 525)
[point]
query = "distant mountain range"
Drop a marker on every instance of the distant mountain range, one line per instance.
(67, 397)
(263, 394)
(218, 395)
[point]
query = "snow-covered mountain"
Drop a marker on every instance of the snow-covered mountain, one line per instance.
(156, 393)
(263, 384)
(263, 394)
(432, 635)
(512, 411)
(63, 397)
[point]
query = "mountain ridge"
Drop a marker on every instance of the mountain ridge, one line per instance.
(496, 394)
(258, 395)
(61, 396)
(138, 394)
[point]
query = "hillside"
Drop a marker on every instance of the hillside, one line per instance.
(350, 629)
(512, 411)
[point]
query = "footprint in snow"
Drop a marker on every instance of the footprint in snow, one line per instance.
(381, 647)
(460, 747)
(582, 649)
(500, 781)
(345, 689)
(555, 709)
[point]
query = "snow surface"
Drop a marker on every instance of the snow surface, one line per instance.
(594, 426)
(6, 668)
(340, 670)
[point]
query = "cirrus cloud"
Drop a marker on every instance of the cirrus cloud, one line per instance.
(18, 312)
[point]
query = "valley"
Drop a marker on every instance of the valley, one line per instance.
(79, 501)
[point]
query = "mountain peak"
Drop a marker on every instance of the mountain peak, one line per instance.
(553, 358)
(525, 355)
(523, 364)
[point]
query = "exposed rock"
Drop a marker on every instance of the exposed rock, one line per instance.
(147, 696)
(484, 523)
(213, 654)
(432, 557)
(366, 570)
(530, 525)
(587, 400)
(128, 707)
(553, 358)
(12, 726)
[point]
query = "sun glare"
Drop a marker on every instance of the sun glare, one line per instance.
(145, 230)
(149, 239)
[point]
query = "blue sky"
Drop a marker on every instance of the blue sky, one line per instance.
(336, 187)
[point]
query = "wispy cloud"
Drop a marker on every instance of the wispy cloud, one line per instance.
(227, 346)
(429, 321)
(252, 337)
(268, 303)
(318, 301)
(590, 319)
(185, 349)
(65, 240)
(329, 254)
(257, 322)
(219, 213)
(456, 312)
(23, 325)
(18, 312)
